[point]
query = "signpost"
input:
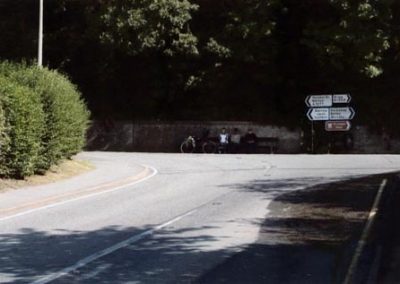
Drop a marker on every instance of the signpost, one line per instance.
(317, 114)
(338, 125)
(319, 101)
(332, 109)
(341, 113)
(341, 98)
(332, 113)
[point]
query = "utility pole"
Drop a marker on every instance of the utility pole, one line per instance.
(40, 47)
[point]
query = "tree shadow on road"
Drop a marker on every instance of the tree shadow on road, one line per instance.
(308, 235)
(28, 254)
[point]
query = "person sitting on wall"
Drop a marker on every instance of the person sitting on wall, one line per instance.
(250, 140)
(223, 139)
(235, 141)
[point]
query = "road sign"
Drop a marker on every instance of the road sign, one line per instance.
(318, 114)
(341, 98)
(319, 101)
(332, 113)
(341, 113)
(337, 125)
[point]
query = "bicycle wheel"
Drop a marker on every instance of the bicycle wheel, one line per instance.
(209, 147)
(187, 147)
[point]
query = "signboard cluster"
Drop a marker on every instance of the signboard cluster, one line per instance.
(332, 109)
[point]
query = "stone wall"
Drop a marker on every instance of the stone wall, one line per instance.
(367, 142)
(153, 136)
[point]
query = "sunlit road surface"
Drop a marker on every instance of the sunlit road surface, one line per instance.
(191, 215)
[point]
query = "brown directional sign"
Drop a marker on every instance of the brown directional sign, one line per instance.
(337, 125)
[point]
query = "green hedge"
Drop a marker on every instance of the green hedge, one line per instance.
(23, 129)
(4, 139)
(65, 116)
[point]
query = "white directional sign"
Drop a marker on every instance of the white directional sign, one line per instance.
(341, 98)
(333, 113)
(319, 101)
(318, 114)
(341, 113)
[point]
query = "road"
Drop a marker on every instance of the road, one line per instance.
(180, 216)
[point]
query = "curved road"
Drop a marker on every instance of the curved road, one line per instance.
(180, 218)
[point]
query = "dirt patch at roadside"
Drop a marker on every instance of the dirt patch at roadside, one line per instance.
(66, 169)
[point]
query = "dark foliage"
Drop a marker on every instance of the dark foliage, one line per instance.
(217, 60)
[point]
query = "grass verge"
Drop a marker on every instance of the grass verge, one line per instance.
(66, 169)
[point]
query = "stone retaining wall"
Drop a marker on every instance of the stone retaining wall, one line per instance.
(167, 136)
(154, 136)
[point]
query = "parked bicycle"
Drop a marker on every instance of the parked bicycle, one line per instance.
(191, 144)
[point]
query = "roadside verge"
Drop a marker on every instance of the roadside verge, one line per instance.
(28, 200)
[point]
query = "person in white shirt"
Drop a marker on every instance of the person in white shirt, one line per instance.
(223, 138)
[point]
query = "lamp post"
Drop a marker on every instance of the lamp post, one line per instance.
(40, 47)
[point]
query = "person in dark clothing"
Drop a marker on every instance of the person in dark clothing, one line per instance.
(250, 141)
(235, 141)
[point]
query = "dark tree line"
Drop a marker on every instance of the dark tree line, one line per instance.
(225, 59)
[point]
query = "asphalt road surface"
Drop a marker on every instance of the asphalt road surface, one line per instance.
(178, 219)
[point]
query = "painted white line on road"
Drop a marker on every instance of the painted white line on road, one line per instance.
(364, 236)
(107, 251)
(96, 271)
(154, 172)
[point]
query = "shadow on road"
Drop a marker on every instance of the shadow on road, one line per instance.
(30, 254)
(307, 237)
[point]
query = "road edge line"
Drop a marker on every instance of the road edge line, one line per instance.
(363, 240)
(155, 172)
(83, 262)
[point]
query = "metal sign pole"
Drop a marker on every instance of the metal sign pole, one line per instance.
(312, 136)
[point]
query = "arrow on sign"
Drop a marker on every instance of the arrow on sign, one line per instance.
(318, 114)
(341, 113)
(341, 98)
(319, 101)
(338, 125)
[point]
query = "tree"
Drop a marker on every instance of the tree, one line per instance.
(349, 34)
(138, 26)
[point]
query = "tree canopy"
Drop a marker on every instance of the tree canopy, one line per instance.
(207, 59)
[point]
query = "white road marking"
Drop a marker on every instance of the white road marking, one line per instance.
(82, 197)
(364, 236)
(107, 251)
(96, 271)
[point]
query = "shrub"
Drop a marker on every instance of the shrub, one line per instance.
(23, 123)
(65, 114)
(67, 117)
(3, 138)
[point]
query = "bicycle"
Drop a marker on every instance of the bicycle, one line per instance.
(192, 144)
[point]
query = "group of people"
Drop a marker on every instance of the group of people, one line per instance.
(235, 143)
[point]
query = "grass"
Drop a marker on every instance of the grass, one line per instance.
(66, 169)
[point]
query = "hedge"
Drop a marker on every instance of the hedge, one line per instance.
(23, 124)
(65, 116)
